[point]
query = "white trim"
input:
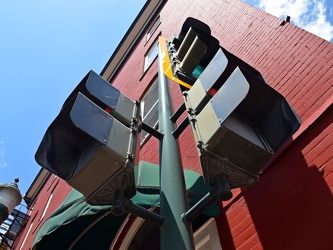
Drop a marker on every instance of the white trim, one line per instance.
(151, 55)
(207, 237)
(153, 28)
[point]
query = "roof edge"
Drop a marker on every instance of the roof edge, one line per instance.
(131, 38)
(36, 186)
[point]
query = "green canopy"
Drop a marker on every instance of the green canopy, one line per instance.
(78, 225)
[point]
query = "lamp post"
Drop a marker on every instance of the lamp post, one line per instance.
(10, 197)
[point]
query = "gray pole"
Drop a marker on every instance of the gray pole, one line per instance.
(176, 233)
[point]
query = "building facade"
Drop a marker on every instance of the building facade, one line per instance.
(290, 208)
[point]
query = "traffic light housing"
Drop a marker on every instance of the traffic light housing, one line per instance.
(92, 143)
(186, 56)
(237, 119)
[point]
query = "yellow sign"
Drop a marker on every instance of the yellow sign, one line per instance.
(167, 67)
(3, 246)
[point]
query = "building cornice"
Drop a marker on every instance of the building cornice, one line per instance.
(36, 186)
(131, 38)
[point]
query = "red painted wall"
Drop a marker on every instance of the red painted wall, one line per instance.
(60, 190)
(290, 208)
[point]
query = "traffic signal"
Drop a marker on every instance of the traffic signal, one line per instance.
(186, 56)
(237, 119)
(220, 68)
(92, 143)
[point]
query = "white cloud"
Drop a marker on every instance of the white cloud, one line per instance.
(307, 14)
(320, 26)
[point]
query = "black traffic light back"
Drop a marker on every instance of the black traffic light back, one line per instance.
(194, 23)
(82, 145)
(105, 95)
(192, 50)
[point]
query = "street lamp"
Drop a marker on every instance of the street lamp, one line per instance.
(10, 197)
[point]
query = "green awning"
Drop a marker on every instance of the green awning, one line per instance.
(76, 223)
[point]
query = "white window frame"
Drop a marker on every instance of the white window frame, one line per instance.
(153, 28)
(26, 235)
(149, 113)
(207, 237)
(47, 206)
(151, 55)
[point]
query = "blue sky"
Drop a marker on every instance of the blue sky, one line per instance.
(47, 47)
(315, 16)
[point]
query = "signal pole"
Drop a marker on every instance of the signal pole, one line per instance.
(176, 232)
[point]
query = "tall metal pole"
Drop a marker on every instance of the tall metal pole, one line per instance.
(176, 233)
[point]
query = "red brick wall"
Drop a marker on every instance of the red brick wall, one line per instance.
(293, 61)
(60, 191)
(291, 206)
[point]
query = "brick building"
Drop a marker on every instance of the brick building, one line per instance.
(290, 208)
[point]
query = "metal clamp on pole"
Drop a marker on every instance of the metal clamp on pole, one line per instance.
(220, 192)
(183, 124)
(121, 205)
(177, 132)
(151, 131)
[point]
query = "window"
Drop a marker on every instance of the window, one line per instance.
(143, 234)
(28, 233)
(207, 237)
(149, 108)
(153, 28)
(151, 55)
(47, 205)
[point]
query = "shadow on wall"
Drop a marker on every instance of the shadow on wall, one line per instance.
(291, 207)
